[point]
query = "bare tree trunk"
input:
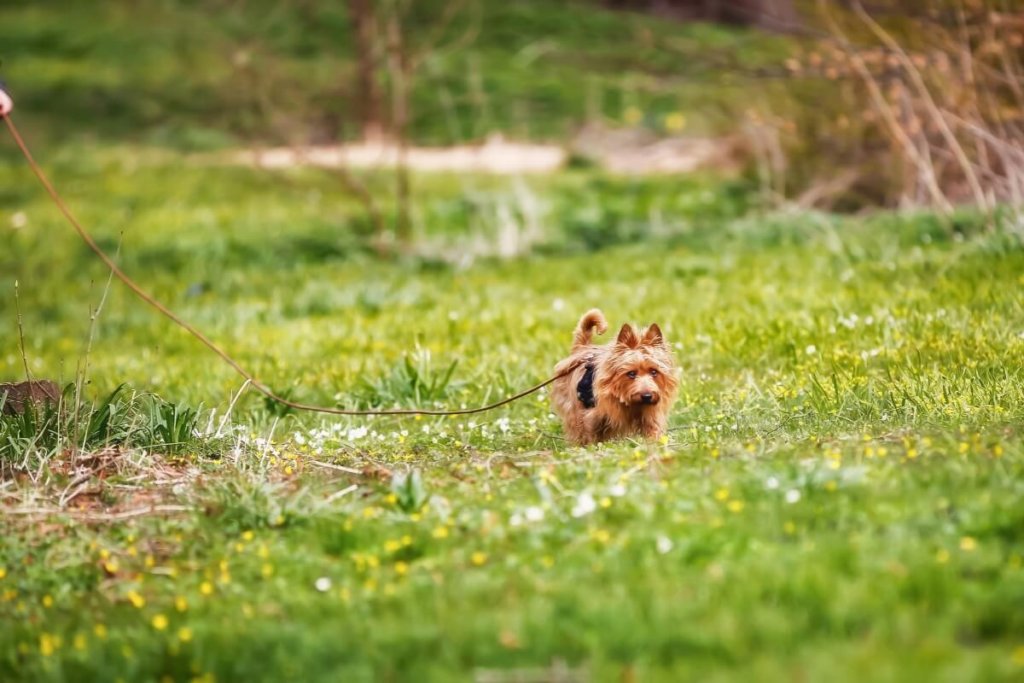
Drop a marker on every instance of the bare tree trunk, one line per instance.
(398, 66)
(368, 96)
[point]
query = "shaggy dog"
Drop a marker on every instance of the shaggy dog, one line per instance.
(623, 388)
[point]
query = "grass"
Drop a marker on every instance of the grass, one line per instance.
(202, 76)
(839, 495)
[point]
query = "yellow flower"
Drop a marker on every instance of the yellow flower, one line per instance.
(789, 528)
(606, 502)
(997, 451)
(1018, 655)
(601, 535)
(392, 545)
(401, 568)
(267, 570)
(675, 122)
(663, 440)
(478, 558)
(47, 644)
(180, 603)
(47, 601)
(440, 532)
(3, 572)
(967, 544)
(79, 642)
(248, 535)
(942, 556)
(159, 622)
(184, 634)
(206, 588)
(632, 115)
(137, 600)
(722, 494)
(100, 631)
(735, 506)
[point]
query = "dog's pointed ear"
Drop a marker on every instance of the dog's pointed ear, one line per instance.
(653, 336)
(627, 336)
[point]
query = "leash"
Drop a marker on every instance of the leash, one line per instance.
(209, 343)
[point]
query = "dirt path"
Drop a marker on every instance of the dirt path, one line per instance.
(621, 152)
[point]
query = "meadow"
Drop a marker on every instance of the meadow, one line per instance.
(840, 495)
(840, 491)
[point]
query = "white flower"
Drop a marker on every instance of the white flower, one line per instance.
(663, 544)
(19, 220)
(323, 584)
(792, 496)
(585, 504)
(618, 490)
(771, 483)
(515, 520)
(357, 433)
(811, 349)
(558, 304)
(534, 513)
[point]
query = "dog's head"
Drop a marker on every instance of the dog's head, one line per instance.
(639, 370)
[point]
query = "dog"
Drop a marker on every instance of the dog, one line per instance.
(624, 388)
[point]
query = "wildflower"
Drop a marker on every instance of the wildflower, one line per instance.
(585, 504)
(663, 544)
(392, 546)
(248, 535)
(601, 535)
(942, 556)
(533, 513)
(159, 622)
(137, 600)
(735, 506)
(792, 496)
(47, 644)
(100, 631)
(180, 603)
(3, 572)
(206, 588)
(606, 502)
(47, 601)
(968, 544)
(267, 570)
(323, 584)
(185, 634)
(771, 483)
(478, 558)
(79, 642)
(722, 494)
(675, 122)
(811, 349)
(618, 490)
(401, 568)
(440, 532)
(632, 115)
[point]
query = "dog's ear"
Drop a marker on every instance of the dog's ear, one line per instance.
(627, 336)
(653, 336)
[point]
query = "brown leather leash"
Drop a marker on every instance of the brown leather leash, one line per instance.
(210, 344)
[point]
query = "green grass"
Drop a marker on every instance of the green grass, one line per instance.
(839, 497)
(203, 75)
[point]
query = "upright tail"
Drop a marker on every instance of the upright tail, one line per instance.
(584, 330)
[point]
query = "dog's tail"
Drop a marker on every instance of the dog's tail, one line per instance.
(584, 330)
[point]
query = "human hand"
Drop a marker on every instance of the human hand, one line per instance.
(6, 103)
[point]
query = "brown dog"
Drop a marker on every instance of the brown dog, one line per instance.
(623, 388)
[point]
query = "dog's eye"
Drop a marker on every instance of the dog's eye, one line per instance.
(654, 373)
(631, 374)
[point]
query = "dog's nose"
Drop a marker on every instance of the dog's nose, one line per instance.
(647, 398)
